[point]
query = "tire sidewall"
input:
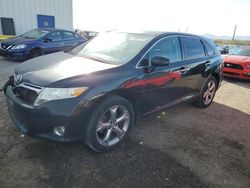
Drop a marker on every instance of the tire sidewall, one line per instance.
(91, 139)
(35, 51)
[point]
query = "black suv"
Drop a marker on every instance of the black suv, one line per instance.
(96, 92)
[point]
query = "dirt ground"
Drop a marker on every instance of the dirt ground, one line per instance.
(179, 147)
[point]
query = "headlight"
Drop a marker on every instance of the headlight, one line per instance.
(20, 46)
(49, 94)
(248, 66)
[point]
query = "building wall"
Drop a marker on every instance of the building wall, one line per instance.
(24, 13)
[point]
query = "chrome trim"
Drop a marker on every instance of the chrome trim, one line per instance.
(10, 46)
(139, 67)
(32, 87)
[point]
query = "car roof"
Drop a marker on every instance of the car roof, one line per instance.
(161, 33)
(53, 29)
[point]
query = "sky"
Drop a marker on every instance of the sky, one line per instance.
(217, 17)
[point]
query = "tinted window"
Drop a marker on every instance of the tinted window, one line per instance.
(210, 51)
(194, 47)
(55, 36)
(169, 48)
(68, 35)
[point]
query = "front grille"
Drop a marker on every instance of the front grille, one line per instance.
(231, 73)
(27, 92)
(233, 66)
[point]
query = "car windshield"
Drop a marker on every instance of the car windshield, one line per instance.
(35, 34)
(235, 51)
(244, 52)
(113, 47)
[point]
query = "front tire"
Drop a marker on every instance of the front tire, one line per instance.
(207, 94)
(110, 124)
(35, 53)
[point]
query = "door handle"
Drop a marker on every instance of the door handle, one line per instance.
(184, 69)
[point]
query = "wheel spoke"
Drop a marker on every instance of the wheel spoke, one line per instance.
(122, 117)
(103, 126)
(119, 132)
(206, 97)
(113, 113)
(107, 136)
(211, 86)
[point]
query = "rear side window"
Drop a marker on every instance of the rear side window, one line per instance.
(169, 48)
(210, 51)
(68, 35)
(194, 47)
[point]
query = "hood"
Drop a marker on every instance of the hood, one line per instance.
(16, 41)
(236, 59)
(47, 69)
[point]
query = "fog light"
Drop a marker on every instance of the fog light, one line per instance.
(59, 131)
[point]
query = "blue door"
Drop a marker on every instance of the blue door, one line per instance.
(44, 21)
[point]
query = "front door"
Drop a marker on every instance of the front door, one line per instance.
(165, 85)
(53, 42)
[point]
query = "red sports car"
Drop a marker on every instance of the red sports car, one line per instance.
(237, 65)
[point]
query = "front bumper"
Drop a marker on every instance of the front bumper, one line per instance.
(73, 114)
(236, 73)
(15, 54)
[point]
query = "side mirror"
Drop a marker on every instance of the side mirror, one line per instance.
(159, 61)
(46, 40)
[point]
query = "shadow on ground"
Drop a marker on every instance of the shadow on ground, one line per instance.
(179, 147)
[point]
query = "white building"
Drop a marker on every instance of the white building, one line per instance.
(19, 16)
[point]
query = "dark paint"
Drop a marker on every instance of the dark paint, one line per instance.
(147, 88)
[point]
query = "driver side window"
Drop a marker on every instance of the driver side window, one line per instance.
(168, 47)
(55, 36)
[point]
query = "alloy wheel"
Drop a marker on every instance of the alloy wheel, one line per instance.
(113, 125)
(209, 93)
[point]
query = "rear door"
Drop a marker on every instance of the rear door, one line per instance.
(69, 41)
(53, 42)
(165, 85)
(197, 62)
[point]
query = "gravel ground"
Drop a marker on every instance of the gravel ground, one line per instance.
(181, 146)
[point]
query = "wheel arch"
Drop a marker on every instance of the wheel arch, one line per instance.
(124, 94)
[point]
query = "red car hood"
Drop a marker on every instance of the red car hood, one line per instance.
(236, 59)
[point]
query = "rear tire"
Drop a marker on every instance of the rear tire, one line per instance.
(110, 124)
(207, 94)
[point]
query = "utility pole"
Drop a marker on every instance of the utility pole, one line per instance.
(234, 31)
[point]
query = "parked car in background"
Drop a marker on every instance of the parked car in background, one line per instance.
(237, 64)
(96, 92)
(37, 42)
(225, 49)
(235, 50)
(219, 47)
